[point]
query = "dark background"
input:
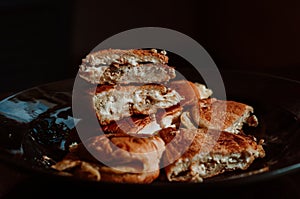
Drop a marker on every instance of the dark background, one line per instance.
(44, 41)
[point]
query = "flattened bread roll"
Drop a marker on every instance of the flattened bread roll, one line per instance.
(115, 158)
(126, 66)
(223, 115)
(210, 153)
(113, 103)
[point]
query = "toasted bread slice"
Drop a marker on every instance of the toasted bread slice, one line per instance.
(113, 103)
(114, 66)
(115, 157)
(208, 153)
(223, 115)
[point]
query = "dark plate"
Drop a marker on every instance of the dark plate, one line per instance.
(35, 124)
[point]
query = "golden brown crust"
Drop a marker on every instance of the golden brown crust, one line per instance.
(208, 148)
(126, 142)
(121, 54)
(115, 158)
(221, 114)
(130, 125)
(72, 165)
(149, 53)
(127, 153)
(103, 88)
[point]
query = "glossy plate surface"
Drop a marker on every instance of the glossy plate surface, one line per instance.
(36, 123)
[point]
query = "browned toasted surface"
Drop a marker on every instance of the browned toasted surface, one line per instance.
(220, 114)
(214, 141)
(145, 53)
(210, 149)
(136, 154)
(135, 93)
(129, 125)
(115, 158)
(73, 165)
(129, 143)
(121, 56)
(103, 88)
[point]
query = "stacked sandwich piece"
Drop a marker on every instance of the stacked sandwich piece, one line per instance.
(130, 88)
(146, 114)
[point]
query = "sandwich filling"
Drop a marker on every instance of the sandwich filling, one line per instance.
(119, 102)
